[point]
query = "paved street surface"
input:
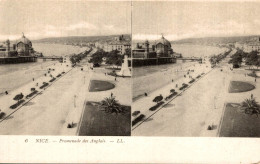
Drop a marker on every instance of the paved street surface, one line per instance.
(199, 106)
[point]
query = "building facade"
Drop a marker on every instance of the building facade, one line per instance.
(20, 51)
(249, 46)
(119, 43)
(160, 52)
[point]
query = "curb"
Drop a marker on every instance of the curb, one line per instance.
(80, 120)
(221, 119)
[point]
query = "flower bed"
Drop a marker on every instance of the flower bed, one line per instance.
(17, 104)
(52, 79)
(171, 96)
(31, 94)
(153, 108)
(44, 85)
(192, 81)
(138, 119)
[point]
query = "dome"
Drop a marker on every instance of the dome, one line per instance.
(164, 42)
(24, 40)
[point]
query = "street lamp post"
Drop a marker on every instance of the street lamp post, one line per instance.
(75, 100)
(215, 102)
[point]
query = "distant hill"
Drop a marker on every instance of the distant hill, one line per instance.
(216, 40)
(78, 39)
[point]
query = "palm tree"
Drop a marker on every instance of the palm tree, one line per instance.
(111, 105)
(250, 106)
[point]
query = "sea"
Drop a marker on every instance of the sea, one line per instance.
(13, 76)
(147, 79)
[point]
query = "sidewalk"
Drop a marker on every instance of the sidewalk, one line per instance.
(7, 100)
(145, 103)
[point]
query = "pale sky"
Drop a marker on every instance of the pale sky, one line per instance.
(178, 20)
(54, 18)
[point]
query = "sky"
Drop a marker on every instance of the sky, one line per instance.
(180, 20)
(54, 18)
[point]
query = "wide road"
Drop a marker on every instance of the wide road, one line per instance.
(190, 113)
(46, 114)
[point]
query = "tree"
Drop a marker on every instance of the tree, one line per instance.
(250, 106)
(18, 97)
(111, 105)
(158, 99)
(252, 59)
(236, 59)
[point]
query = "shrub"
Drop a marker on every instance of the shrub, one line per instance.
(171, 96)
(17, 104)
(198, 76)
(63, 72)
(156, 106)
(31, 94)
(253, 74)
(138, 119)
(32, 89)
(135, 113)
(157, 99)
(184, 86)
(192, 81)
(59, 75)
(172, 90)
(44, 85)
(52, 79)
(2, 115)
(18, 97)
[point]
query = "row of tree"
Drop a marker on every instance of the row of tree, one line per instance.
(250, 59)
(215, 59)
(76, 58)
(111, 58)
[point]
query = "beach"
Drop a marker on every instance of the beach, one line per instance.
(13, 76)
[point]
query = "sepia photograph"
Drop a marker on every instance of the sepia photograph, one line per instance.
(196, 69)
(65, 68)
(129, 81)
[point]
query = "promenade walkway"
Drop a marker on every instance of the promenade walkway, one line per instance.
(199, 106)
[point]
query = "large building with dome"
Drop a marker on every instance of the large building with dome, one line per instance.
(18, 52)
(159, 52)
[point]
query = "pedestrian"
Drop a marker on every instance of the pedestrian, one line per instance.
(172, 80)
(252, 96)
(6, 92)
(145, 94)
(33, 79)
(115, 78)
(111, 94)
(255, 79)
